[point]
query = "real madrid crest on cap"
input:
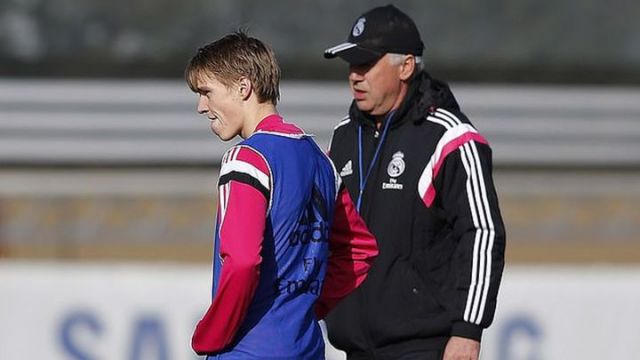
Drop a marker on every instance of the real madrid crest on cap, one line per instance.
(396, 165)
(358, 28)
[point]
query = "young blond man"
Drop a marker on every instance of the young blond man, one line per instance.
(273, 277)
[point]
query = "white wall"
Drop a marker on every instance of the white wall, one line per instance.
(155, 122)
(133, 312)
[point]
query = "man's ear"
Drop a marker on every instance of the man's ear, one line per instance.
(245, 88)
(407, 67)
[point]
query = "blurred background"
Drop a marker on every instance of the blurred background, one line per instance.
(108, 175)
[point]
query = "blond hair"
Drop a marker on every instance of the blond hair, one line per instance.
(235, 56)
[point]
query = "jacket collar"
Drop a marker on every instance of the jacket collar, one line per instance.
(425, 93)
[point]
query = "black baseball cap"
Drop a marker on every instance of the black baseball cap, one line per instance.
(381, 30)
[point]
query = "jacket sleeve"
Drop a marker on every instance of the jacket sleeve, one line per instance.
(464, 188)
(352, 251)
(243, 203)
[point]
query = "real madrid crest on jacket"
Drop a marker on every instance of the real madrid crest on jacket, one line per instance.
(422, 182)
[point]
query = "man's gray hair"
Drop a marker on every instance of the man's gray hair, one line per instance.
(397, 59)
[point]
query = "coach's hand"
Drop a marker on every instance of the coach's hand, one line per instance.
(459, 348)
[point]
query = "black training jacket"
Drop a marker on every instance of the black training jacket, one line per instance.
(430, 201)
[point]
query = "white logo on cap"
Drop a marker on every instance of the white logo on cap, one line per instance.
(358, 28)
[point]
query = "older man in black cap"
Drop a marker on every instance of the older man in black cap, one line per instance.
(419, 174)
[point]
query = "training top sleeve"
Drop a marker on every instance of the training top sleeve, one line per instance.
(458, 179)
(244, 192)
(352, 251)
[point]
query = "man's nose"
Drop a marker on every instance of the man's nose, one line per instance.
(355, 75)
(202, 107)
(357, 72)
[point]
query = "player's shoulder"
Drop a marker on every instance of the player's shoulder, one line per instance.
(243, 155)
(340, 133)
(344, 129)
(446, 119)
(343, 123)
(453, 127)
